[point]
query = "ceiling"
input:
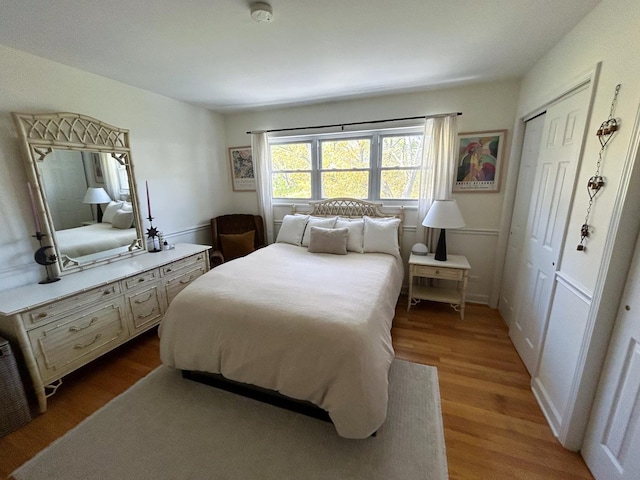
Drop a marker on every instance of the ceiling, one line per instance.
(211, 53)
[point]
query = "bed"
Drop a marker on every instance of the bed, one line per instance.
(90, 239)
(314, 327)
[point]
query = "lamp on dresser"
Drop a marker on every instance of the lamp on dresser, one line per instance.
(96, 195)
(443, 214)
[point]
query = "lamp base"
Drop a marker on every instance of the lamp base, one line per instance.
(441, 250)
(99, 213)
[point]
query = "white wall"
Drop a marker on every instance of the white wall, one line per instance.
(609, 34)
(488, 106)
(178, 148)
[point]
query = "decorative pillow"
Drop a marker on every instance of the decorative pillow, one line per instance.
(292, 229)
(355, 226)
(122, 219)
(237, 245)
(328, 240)
(110, 211)
(127, 206)
(317, 222)
(381, 235)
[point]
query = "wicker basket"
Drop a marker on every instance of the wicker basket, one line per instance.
(14, 410)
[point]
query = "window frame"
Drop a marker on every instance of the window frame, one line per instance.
(375, 168)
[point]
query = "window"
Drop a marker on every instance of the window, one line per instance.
(378, 165)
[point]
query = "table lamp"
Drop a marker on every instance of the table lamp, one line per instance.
(96, 196)
(443, 214)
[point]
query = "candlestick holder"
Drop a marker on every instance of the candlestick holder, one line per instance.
(45, 259)
(152, 233)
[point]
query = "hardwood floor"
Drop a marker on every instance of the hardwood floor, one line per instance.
(494, 428)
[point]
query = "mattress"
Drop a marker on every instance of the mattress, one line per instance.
(311, 326)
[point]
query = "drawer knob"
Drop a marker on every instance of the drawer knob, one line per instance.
(42, 315)
(138, 301)
(140, 280)
(437, 272)
(141, 315)
(106, 292)
(77, 329)
(80, 346)
(169, 270)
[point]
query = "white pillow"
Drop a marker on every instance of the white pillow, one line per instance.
(110, 211)
(317, 222)
(356, 227)
(127, 206)
(292, 229)
(122, 219)
(381, 235)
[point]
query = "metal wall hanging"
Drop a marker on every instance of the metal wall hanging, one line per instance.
(605, 133)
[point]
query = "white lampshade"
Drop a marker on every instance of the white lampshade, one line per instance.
(444, 214)
(96, 195)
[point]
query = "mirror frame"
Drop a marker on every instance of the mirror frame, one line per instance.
(40, 134)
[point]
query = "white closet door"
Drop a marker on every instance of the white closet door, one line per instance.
(612, 443)
(528, 159)
(551, 197)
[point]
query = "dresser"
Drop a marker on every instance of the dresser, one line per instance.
(61, 326)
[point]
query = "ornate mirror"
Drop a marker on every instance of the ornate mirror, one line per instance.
(84, 195)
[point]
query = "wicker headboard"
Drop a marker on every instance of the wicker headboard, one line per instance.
(352, 208)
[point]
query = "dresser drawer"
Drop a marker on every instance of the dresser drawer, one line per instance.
(176, 284)
(174, 267)
(52, 310)
(145, 308)
(439, 272)
(141, 279)
(72, 341)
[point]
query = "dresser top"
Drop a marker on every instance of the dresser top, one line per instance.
(23, 298)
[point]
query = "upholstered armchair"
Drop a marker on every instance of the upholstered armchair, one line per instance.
(235, 235)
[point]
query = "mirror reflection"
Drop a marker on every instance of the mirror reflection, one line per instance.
(89, 201)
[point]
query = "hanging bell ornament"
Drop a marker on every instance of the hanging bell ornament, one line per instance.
(595, 183)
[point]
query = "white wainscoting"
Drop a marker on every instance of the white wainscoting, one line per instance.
(554, 378)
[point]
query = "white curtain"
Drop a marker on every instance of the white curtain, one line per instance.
(111, 175)
(262, 169)
(438, 167)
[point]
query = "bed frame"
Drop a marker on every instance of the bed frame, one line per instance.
(344, 207)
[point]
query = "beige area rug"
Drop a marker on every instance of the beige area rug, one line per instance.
(166, 427)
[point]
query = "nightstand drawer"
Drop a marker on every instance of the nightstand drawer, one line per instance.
(439, 272)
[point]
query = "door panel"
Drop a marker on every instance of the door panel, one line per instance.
(612, 441)
(551, 197)
(529, 157)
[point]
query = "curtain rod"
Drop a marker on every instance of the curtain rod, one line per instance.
(357, 123)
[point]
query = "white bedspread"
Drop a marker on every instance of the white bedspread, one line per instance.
(90, 239)
(314, 327)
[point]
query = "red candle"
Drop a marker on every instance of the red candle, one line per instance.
(34, 211)
(148, 201)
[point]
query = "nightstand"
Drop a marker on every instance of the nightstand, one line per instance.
(425, 267)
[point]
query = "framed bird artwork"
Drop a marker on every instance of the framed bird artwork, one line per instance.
(479, 161)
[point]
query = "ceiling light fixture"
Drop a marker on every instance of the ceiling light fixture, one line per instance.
(261, 12)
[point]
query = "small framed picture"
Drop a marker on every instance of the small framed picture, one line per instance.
(242, 173)
(479, 161)
(97, 169)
